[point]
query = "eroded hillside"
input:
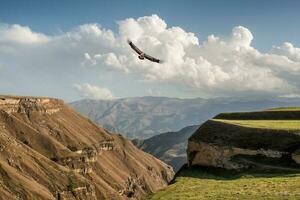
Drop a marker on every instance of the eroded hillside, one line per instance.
(48, 151)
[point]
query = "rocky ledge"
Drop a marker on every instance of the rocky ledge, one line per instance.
(227, 141)
(13, 104)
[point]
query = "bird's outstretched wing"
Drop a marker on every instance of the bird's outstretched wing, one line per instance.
(152, 58)
(134, 47)
(140, 52)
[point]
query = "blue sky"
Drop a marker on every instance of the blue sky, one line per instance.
(270, 22)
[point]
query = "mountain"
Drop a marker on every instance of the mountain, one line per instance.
(169, 147)
(144, 117)
(48, 151)
(242, 140)
(243, 155)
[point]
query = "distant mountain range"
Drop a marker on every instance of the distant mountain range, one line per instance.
(144, 117)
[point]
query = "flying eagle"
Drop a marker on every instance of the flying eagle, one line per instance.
(143, 55)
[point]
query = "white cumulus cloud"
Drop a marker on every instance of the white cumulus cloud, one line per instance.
(218, 65)
(93, 92)
(214, 66)
(20, 34)
(287, 49)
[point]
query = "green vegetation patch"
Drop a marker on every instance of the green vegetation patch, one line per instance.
(201, 183)
(284, 113)
(269, 124)
(284, 109)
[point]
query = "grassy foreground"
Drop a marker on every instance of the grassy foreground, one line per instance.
(269, 124)
(199, 183)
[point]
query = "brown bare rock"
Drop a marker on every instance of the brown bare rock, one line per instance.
(48, 151)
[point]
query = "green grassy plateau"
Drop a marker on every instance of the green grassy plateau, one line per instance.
(284, 118)
(269, 124)
(202, 183)
(285, 109)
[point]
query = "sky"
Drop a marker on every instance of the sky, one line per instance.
(76, 49)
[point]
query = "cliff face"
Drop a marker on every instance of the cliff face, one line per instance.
(248, 140)
(48, 151)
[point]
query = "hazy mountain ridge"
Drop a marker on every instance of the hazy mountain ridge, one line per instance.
(144, 117)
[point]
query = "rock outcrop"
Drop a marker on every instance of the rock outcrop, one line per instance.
(220, 143)
(48, 151)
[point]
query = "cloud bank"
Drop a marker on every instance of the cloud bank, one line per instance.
(216, 66)
(94, 92)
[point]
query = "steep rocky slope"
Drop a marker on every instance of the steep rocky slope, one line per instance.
(169, 147)
(48, 151)
(144, 117)
(265, 139)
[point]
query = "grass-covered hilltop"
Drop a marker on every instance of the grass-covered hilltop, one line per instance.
(244, 155)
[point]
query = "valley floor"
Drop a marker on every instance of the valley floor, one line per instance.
(202, 183)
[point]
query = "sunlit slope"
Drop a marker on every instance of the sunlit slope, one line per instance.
(199, 183)
(48, 151)
(284, 118)
(285, 109)
(269, 124)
